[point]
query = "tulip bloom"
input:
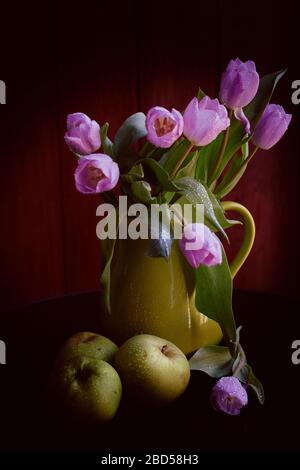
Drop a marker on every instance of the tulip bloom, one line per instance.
(83, 134)
(271, 126)
(204, 120)
(239, 85)
(96, 173)
(228, 395)
(200, 245)
(163, 126)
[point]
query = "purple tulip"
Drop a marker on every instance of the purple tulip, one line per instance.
(271, 126)
(200, 245)
(228, 395)
(204, 120)
(163, 126)
(239, 84)
(83, 134)
(96, 173)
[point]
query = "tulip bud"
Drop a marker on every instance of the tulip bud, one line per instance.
(163, 126)
(204, 120)
(83, 134)
(228, 395)
(239, 85)
(96, 173)
(271, 126)
(200, 245)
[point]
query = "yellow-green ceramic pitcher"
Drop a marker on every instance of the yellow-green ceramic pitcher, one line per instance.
(157, 296)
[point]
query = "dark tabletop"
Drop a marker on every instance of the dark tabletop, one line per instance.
(33, 334)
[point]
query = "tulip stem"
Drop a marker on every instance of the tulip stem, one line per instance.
(250, 156)
(146, 148)
(242, 361)
(181, 160)
(245, 163)
(221, 153)
(236, 173)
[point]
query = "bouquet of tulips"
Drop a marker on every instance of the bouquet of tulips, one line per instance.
(199, 156)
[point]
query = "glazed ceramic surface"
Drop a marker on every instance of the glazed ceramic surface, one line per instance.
(157, 296)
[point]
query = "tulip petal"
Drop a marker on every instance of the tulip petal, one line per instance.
(240, 116)
(204, 120)
(229, 395)
(75, 144)
(83, 135)
(178, 118)
(93, 136)
(271, 127)
(89, 180)
(164, 127)
(200, 245)
(239, 84)
(77, 118)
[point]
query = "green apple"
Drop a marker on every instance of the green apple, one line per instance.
(152, 368)
(89, 389)
(90, 345)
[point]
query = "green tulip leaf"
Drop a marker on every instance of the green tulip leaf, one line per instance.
(216, 361)
(200, 94)
(170, 158)
(107, 251)
(245, 150)
(214, 298)
(232, 177)
(141, 191)
(219, 211)
(247, 376)
(136, 173)
(150, 150)
(132, 129)
(167, 197)
(147, 149)
(107, 246)
(267, 85)
(106, 143)
(189, 166)
(207, 159)
(161, 175)
(196, 193)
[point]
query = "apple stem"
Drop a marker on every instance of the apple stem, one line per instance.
(164, 348)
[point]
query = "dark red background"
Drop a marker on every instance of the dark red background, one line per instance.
(109, 60)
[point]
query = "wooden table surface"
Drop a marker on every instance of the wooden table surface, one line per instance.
(34, 333)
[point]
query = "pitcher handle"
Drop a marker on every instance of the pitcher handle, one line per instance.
(249, 235)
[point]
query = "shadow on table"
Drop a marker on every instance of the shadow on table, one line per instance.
(33, 334)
